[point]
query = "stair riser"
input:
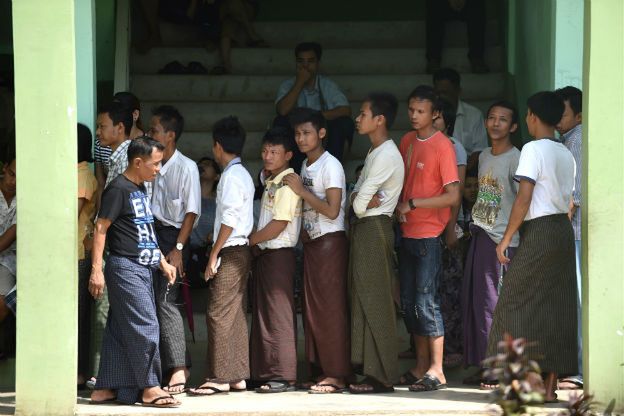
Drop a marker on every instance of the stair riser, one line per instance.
(257, 116)
(335, 61)
(264, 88)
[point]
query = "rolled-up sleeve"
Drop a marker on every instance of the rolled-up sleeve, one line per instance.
(232, 200)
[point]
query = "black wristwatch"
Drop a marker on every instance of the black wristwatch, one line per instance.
(410, 202)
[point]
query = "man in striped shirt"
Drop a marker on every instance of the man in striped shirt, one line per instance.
(570, 129)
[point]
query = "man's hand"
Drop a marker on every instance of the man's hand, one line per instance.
(403, 208)
(175, 259)
(303, 75)
(450, 237)
(374, 202)
(211, 268)
(168, 270)
(96, 282)
(501, 248)
(457, 5)
(294, 182)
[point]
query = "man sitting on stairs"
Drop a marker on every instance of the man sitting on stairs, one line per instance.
(312, 90)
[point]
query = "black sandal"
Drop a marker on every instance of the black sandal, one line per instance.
(154, 403)
(408, 379)
(336, 389)
(427, 383)
(173, 393)
(215, 390)
(276, 386)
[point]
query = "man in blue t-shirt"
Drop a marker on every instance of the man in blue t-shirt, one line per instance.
(130, 363)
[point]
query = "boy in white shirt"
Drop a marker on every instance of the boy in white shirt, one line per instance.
(227, 361)
(322, 186)
(371, 262)
(273, 327)
(541, 281)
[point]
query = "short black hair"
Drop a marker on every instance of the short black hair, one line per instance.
(280, 136)
(447, 74)
(447, 111)
(309, 46)
(383, 104)
(547, 106)
(230, 134)
(302, 115)
(9, 153)
(572, 95)
(85, 144)
(128, 100)
(170, 118)
(426, 93)
(142, 147)
(509, 106)
(118, 114)
(212, 163)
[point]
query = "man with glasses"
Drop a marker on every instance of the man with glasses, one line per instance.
(176, 205)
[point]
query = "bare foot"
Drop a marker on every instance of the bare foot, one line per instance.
(177, 382)
(103, 395)
(209, 388)
(152, 393)
(328, 385)
(436, 373)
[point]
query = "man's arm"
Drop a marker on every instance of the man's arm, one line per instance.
(8, 237)
(272, 230)
(96, 280)
(337, 112)
(174, 257)
(289, 101)
(518, 214)
(100, 175)
(448, 198)
(224, 233)
(329, 208)
(450, 234)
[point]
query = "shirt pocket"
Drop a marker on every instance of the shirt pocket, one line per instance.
(174, 209)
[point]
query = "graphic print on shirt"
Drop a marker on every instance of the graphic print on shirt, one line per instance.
(311, 221)
(149, 253)
(488, 204)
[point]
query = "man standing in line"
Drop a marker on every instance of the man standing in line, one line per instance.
(176, 204)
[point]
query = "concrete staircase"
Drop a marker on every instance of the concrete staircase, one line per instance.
(360, 56)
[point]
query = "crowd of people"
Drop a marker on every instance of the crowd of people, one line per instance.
(482, 239)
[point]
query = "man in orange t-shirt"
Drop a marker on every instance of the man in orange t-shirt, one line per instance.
(431, 188)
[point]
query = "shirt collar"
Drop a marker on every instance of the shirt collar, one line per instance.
(235, 161)
(122, 147)
(281, 175)
(573, 132)
(165, 167)
(316, 85)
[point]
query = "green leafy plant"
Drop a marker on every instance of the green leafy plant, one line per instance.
(520, 384)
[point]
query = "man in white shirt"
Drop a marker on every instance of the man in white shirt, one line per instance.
(371, 264)
(310, 89)
(227, 358)
(176, 205)
(469, 127)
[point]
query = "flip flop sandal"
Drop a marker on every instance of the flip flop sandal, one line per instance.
(112, 400)
(428, 383)
(488, 384)
(408, 378)
(233, 390)
(276, 387)
(376, 387)
(173, 393)
(196, 68)
(154, 403)
(555, 400)
(336, 389)
(578, 384)
(174, 68)
(215, 390)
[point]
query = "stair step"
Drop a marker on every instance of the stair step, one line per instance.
(200, 116)
(254, 88)
(247, 61)
(357, 34)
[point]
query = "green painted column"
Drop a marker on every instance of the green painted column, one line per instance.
(603, 220)
(568, 43)
(45, 113)
(85, 62)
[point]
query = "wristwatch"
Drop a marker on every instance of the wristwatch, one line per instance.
(410, 202)
(179, 246)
